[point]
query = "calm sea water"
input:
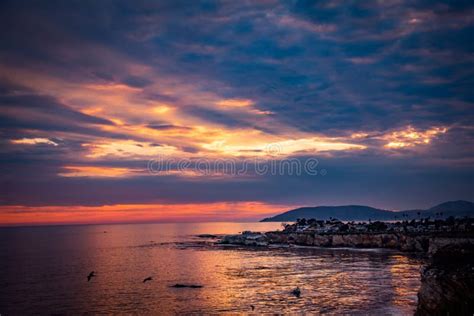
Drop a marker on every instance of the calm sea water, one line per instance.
(44, 269)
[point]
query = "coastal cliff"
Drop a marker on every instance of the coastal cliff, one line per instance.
(447, 282)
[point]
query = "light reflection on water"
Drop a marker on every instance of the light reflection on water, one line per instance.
(44, 269)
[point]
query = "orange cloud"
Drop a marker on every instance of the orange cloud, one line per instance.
(221, 211)
(235, 103)
(128, 148)
(134, 116)
(262, 145)
(161, 109)
(98, 172)
(410, 137)
(33, 141)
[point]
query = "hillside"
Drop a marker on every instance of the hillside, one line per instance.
(360, 212)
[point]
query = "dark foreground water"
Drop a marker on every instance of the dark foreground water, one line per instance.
(44, 269)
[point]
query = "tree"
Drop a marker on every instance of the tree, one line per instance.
(344, 228)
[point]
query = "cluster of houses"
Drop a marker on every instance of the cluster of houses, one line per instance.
(424, 235)
(421, 226)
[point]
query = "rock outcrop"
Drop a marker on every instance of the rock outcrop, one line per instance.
(447, 283)
(246, 239)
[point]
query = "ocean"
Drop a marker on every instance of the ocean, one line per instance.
(44, 271)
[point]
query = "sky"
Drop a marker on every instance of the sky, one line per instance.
(137, 111)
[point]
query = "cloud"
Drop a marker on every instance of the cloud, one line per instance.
(128, 148)
(282, 148)
(33, 141)
(411, 137)
(161, 127)
(240, 211)
(369, 88)
(235, 103)
(97, 171)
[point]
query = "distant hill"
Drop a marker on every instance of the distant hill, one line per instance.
(363, 213)
(452, 208)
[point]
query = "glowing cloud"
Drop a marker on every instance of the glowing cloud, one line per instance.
(129, 149)
(359, 135)
(410, 137)
(221, 211)
(162, 109)
(98, 172)
(283, 148)
(33, 141)
(235, 103)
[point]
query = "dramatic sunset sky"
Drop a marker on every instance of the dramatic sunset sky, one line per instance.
(381, 93)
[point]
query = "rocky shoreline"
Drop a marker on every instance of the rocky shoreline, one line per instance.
(415, 236)
(447, 281)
